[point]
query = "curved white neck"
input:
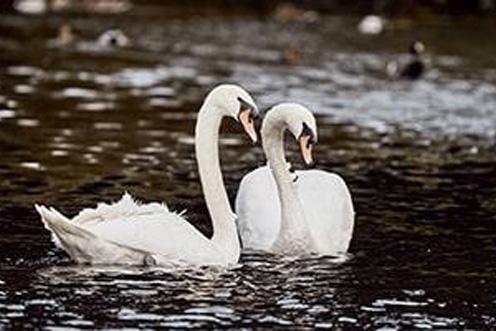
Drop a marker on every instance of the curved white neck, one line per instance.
(225, 235)
(293, 231)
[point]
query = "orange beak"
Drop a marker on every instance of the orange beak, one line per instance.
(248, 124)
(306, 149)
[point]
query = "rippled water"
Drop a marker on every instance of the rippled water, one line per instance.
(82, 123)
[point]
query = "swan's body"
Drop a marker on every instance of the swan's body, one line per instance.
(129, 233)
(326, 204)
(317, 211)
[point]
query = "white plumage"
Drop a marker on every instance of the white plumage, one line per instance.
(317, 216)
(128, 232)
(125, 232)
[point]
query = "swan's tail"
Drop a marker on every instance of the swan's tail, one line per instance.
(85, 247)
(67, 236)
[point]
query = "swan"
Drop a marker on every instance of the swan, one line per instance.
(301, 213)
(128, 232)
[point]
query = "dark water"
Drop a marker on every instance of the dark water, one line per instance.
(83, 123)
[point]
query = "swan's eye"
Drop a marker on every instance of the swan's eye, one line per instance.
(244, 106)
(307, 132)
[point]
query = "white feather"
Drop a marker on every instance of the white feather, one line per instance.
(317, 203)
(129, 232)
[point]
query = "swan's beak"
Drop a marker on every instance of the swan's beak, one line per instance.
(306, 149)
(247, 120)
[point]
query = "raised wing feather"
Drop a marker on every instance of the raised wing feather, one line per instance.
(126, 207)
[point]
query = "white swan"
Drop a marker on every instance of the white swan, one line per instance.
(317, 212)
(130, 233)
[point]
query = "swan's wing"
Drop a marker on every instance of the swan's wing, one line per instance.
(149, 228)
(126, 207)
(328, 209)
(258, 209)
(83, 246)
(167, 234)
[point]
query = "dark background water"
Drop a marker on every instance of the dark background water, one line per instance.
(82, 123)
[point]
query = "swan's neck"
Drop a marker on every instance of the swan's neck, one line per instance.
(225, 236)
(293, 233)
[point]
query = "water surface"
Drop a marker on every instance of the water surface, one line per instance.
(83, 123)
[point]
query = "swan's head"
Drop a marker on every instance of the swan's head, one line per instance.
(235, 102)
(302, 125)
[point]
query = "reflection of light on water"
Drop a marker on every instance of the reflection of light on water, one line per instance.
(132, 158)
(160, 91)
(96, 106)
(431, 106)
(78, 322)
(345, 319)
(7, 113)
(291, 303)
(139, 77)
(154, 133)
(108, 126)
(373, 309)
(234, 141)
(23, 89)
(205, 80)
(275, 320)
(41, 302)
(170, 115)
(32, 165)
(67, 132)
(153, 149)
(110, 144)
(78, 92)
(24, 71)
(28, 122)
(95, 149)
(395, 302)
(58, 152)
(186, 139)
(64, 146)
(90, 158)
(11, 103)
(163, 102)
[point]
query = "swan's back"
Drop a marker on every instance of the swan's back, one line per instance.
(326, 202)
(328, 210)
(258, 209)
